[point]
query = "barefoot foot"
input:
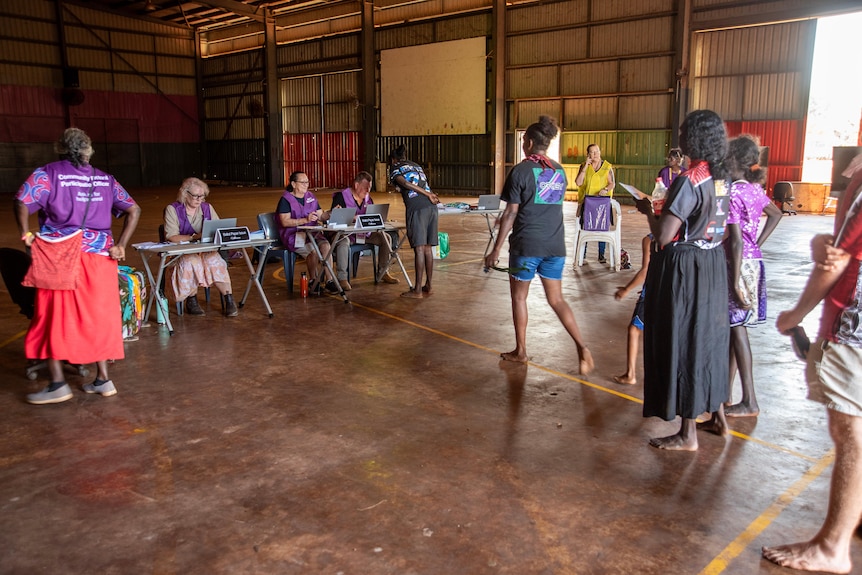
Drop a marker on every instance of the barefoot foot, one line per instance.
(741, 410)
(515, 356)
(807, 556)
(585, 364)
(714, 425)
(427, 290)
(674, 443)
(414, 294)
(625, 379)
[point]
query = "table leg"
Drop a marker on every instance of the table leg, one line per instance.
(394, 250)
(492, 234)
(163, 262)
(154, 287)
(324, 260)
(254, 279)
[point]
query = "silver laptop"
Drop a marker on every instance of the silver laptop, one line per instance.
(489, 202)
(341, 217)
(382, 209)
(210, 226)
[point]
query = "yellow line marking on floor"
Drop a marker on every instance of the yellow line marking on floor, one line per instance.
(773, 446)
(453, 264)
(18, 335)
(569, 377)
(756, 527)
(424, 327)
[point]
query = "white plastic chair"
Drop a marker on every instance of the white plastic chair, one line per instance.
(612, 237)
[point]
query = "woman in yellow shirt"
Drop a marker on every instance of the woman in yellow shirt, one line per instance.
(595, 178)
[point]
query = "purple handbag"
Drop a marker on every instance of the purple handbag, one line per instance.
(596, 215)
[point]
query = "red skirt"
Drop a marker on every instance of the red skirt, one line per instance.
(83, 325)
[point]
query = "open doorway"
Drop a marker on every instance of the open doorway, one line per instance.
(835, 100)
(553, 147)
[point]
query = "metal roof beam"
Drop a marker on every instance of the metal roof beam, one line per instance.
(237, 8)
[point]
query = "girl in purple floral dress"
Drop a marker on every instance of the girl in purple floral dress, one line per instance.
(745, 272)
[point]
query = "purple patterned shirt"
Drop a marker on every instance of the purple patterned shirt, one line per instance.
(60, 192)
(747, 201)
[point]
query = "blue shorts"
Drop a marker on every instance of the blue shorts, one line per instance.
(550, 268)
(638, 315)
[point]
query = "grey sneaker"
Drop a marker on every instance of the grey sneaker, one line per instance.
(59, 395)
(106, 389)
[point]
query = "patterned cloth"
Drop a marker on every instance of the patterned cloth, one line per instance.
(752, 283)
(842, 308)
(747, 201)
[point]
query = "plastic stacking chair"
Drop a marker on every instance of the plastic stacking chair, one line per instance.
(612, 237)
(356, 250)
(163, 239)
(266, 222)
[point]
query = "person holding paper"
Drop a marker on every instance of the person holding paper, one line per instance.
(299, 207)
(184, 220)
(595, 178)
(686, 328)
(359, 196)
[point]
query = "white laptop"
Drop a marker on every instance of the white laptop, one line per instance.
(210, 226)
(382, 209)
(489, 202)
(341, 217)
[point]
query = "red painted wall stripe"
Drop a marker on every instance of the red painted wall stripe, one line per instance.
(30, 114)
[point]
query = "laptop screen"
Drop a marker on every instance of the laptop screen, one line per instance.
(210, 226)
(489, 202)
(341, 217)
(382, 209)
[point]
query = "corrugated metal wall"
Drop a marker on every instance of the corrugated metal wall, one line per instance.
(607, 76)
(137, 96)
(599, 66)
(322, 122)
(234, 128)
(758, 79)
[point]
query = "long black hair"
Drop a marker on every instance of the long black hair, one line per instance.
(743, 153)
(703, 136)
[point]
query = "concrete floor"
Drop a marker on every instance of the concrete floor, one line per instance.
(385, 436)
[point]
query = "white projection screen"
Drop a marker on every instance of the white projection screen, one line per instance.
(433, 89)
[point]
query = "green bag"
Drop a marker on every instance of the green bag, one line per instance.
(441, 250)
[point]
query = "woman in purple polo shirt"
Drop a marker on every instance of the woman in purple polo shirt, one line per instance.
(80, 325)
(184, 220)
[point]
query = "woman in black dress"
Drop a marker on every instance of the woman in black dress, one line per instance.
(686, 333)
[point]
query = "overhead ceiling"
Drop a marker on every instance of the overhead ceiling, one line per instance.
(205, 14)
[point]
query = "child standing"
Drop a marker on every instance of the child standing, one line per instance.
(637, 325)
(745, 271)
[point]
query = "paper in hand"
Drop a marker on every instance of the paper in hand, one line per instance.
(636, 193)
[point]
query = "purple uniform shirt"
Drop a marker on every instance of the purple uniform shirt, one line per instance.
(61, 192)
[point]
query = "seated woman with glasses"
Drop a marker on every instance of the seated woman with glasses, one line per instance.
(299, 207)
(184, 220)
